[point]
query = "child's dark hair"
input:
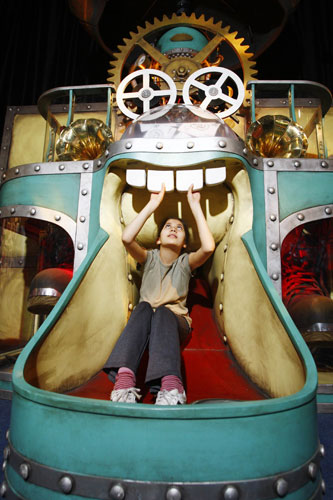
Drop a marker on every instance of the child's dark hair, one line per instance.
(187, 234)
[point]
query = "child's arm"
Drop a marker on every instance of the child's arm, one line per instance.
(132, 230)
(207, 247)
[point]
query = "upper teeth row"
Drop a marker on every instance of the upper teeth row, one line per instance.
(153, 179)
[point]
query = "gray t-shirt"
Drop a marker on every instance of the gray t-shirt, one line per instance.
(166, 285)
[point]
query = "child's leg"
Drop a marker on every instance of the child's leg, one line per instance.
(132, 342)
(164, 347)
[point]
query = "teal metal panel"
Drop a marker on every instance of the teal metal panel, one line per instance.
(57, 192)
(96, 194)
(299, 190)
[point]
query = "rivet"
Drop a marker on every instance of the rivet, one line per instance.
(17, 171)
(7, 434)
(159, 145)
(297, 164)
(61, 167)
(25, 471)
(190, 145)
(12, 210)
(121, 220)
(107, 152)
(245, 151)
(272, 217)
(57, 218)
(225, 248)
(6, 453)
(130, 306)
(225, 339)
(33, 211)
(3, 489)
(4, 465)
(66, 484)
(128, 145)
(274, 246)
(323, 487)
(300, 216)
(85, 166)
(88, 106)
(99, 163)
(117, 492)
(129, 277)
(80, 246)
(4, 148)
(271, 190)
(328, 210)
(255, 161)
(324, 164)
(231, 220)
(312, 470)
(84, 192)
(270, 163)
(37, 168)
(221, 307)
(222, 144)
(4, 176)
(82, 218)
(281, 487)
(222, 277)
(173, 493)
(231, 493)
(322, 450)
(275, 276)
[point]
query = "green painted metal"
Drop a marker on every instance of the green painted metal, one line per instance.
(96, 194)
(195, 40)
(57, 192)
(300, 190)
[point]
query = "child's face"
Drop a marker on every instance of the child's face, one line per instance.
(172, 234)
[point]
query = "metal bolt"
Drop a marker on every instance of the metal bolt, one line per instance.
(66, 484)
(129, 277)
(80, 246)
(322, 450)
(145, 93)
(7, 434)
(274, 246)
(324, 164)
(33, 211)
(37, 168)
(270, 163)
(300, 216)
(225, 248)
(61, 167)
(25, 471)
(231, 493)
(57, 218)
(159, 145)
(82, 218)
(6, 453)
(130, 306)
(117, 492)
(17, 171)
(222, 277)
(272, 217)
(4, 465)
(323, 487)
(4, 176)
(312, 470)
(281, 487)
(107, 152)
(245, 151)
(12, 210)
(190, 145)
(255, 161)
(231, 220)
(328, 210)
(85, 166)
(128, 145)
(271, 190)
(275, 276)
(297, 164)
(222, 144)
(84, 192)
(173, 493)
(221, 307)
(99, 163)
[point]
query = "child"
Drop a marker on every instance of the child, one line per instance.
(161, 318)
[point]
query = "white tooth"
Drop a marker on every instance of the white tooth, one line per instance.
(136, 177)
(215, 176)
(184, 178)
(156, 179)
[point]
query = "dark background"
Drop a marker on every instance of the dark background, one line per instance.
(44, 46)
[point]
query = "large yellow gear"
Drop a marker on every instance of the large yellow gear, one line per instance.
(180, 68)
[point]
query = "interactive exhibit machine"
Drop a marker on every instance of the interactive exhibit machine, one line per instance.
(74, 171)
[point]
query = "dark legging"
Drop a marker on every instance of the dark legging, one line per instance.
(162, 331)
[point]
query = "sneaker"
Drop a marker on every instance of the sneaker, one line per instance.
(125, 395)
(173, 397)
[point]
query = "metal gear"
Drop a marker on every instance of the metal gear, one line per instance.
(183, 64)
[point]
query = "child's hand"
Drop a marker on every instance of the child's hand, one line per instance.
(157, 198)
(193, 198)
